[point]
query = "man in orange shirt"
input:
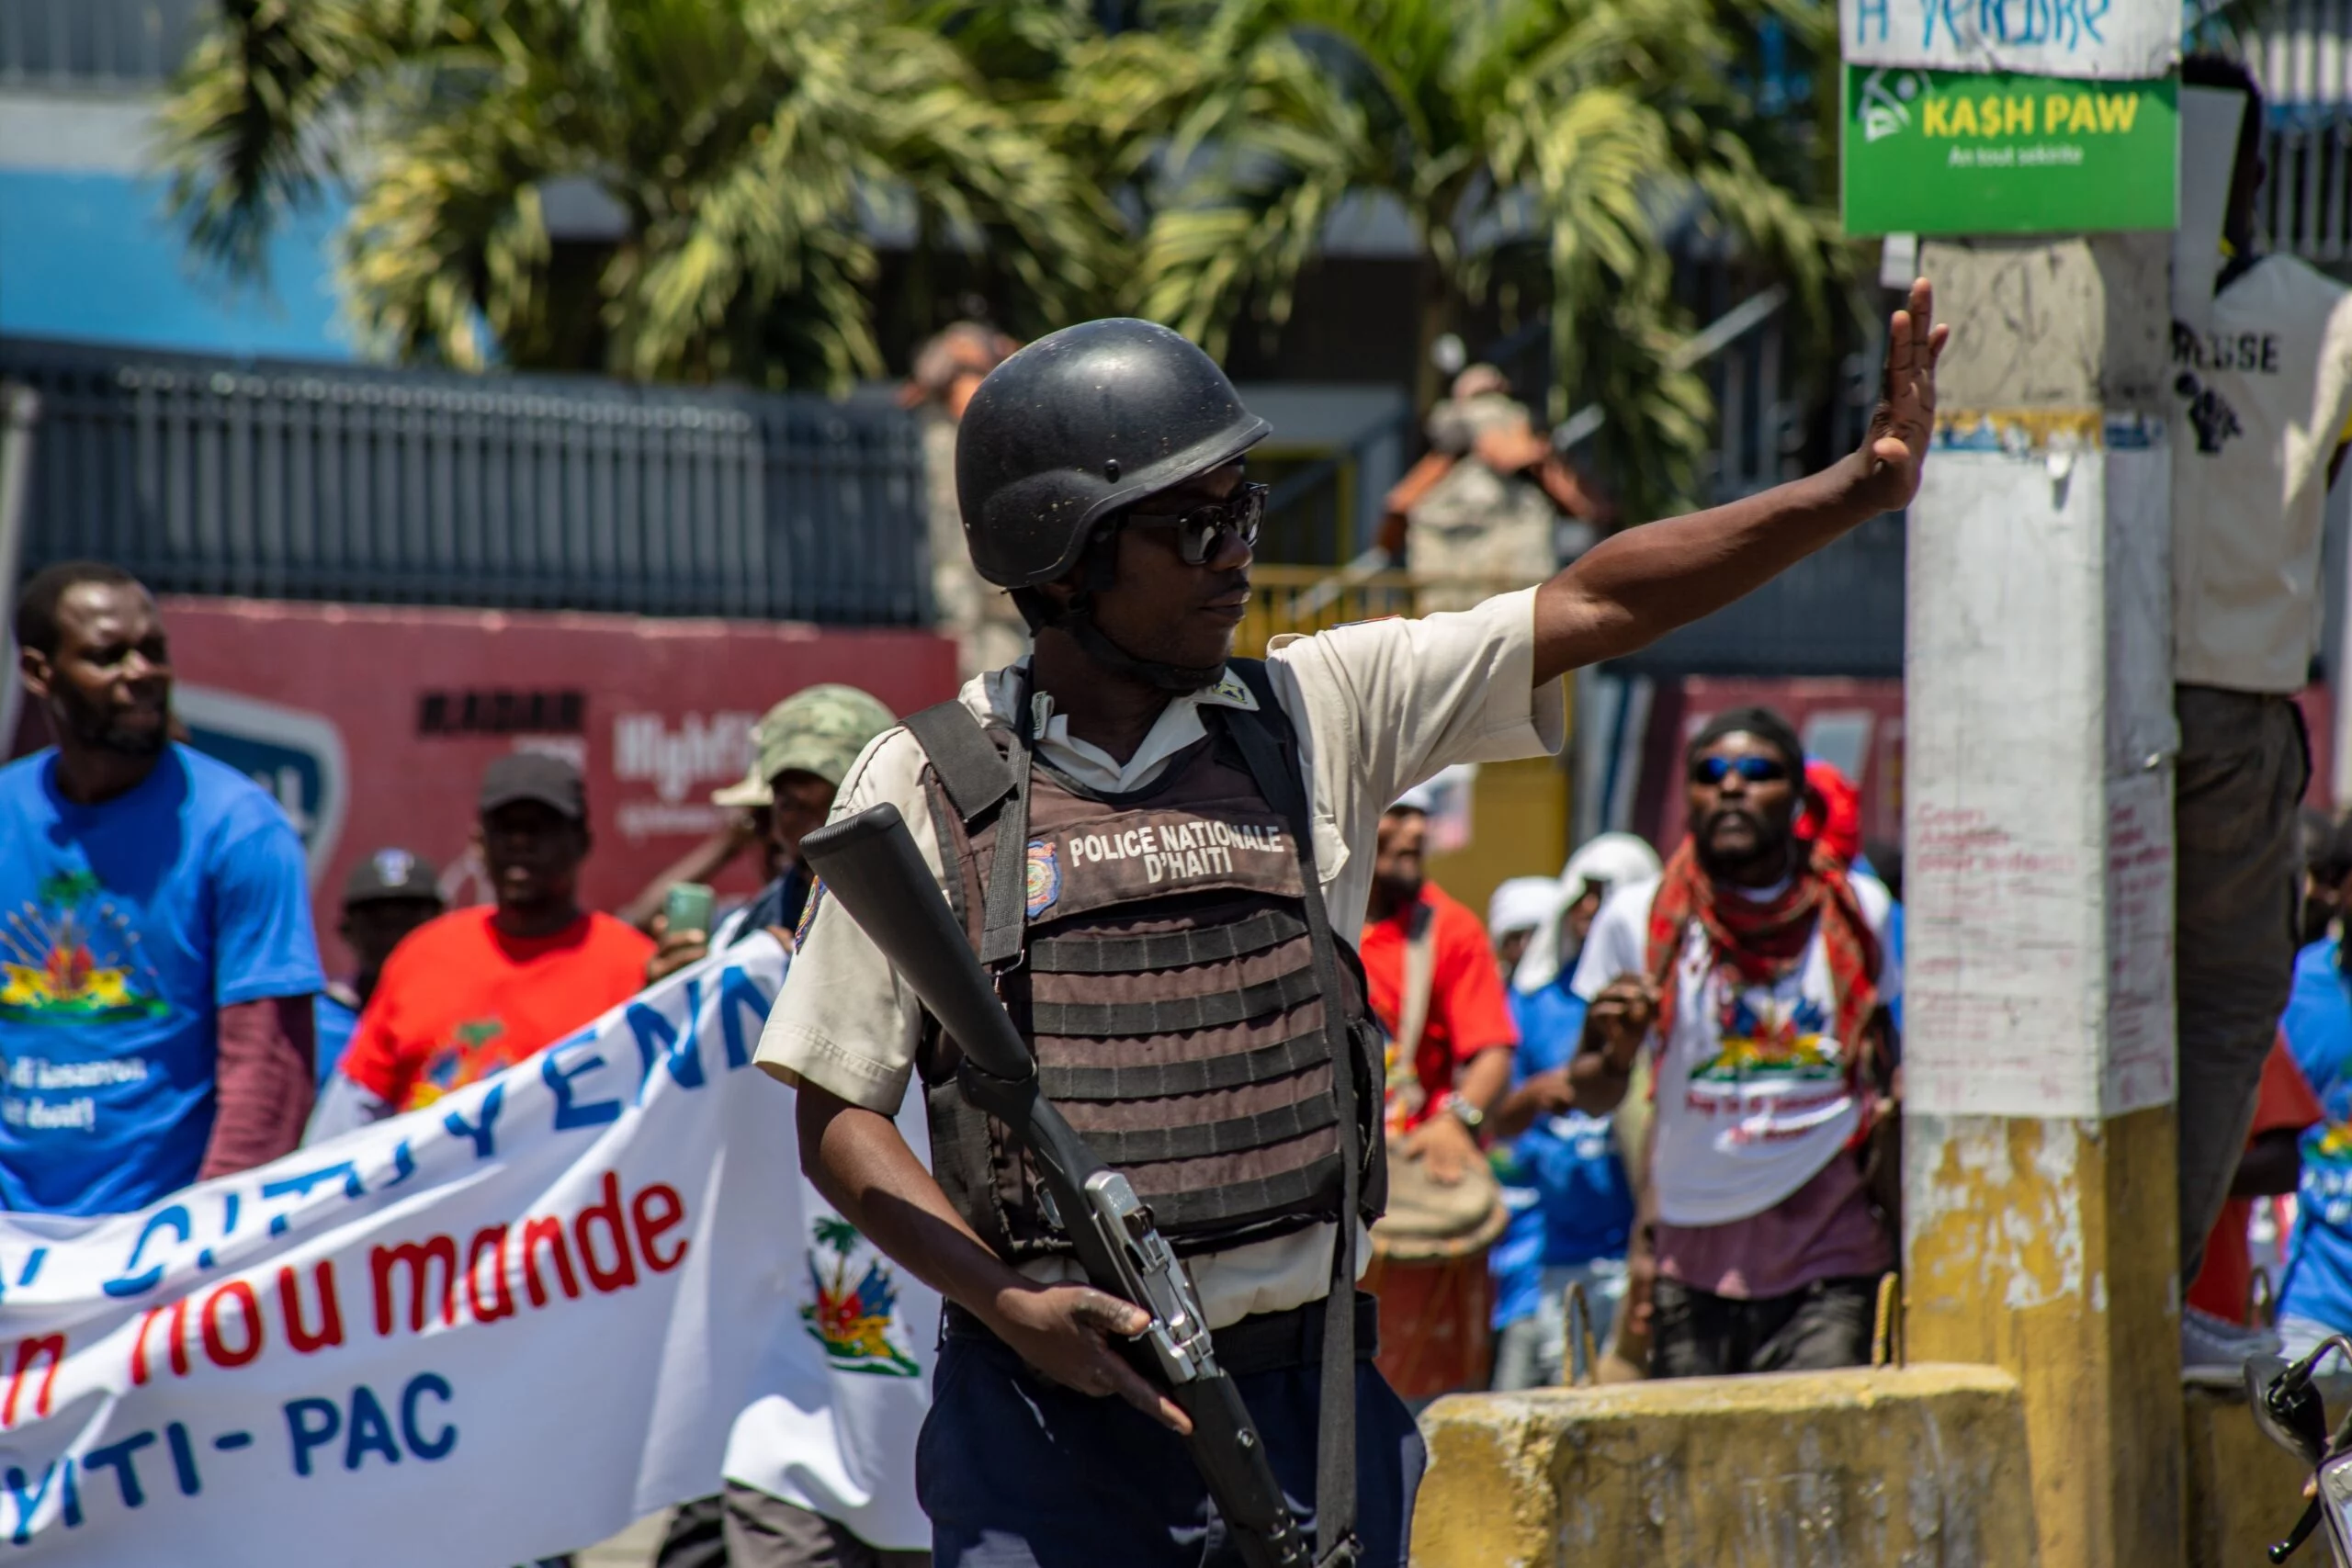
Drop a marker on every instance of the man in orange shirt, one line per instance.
(1433, 984)
(478, 989)
(1442, 1084)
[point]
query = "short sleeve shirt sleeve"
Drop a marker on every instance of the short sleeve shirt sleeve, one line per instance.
(1412, 695)
(263, 941)
(1878, 913)
(1385, 704)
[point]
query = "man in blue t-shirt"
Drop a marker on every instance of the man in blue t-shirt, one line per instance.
(157, 956)
(1571, 1206)
(388, 895)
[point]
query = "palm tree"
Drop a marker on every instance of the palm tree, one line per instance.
(746, 147)
(1548, 148)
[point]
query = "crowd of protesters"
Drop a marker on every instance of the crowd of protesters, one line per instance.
(162, 963)
(1640, 1120)
(1680, 1073)
(1634, 1116)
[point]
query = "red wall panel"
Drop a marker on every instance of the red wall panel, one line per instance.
(373, 724)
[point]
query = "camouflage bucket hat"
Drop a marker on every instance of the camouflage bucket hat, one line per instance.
(820, 732)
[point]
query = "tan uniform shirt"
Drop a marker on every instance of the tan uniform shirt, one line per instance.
(1379, 707)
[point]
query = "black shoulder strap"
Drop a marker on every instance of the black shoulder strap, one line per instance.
(977, 777)
(973, 771)
(1269, 745)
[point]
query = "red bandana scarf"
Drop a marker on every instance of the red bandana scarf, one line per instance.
(1764, 941)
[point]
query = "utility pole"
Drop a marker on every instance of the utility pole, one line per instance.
(2038, 1198)
(2039, 1194)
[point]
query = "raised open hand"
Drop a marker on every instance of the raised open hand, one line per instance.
(1896, 452)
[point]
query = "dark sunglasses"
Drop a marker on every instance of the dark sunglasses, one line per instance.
(1755, 770)
(1198, 527)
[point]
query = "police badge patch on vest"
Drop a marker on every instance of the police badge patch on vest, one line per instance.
(1134, 854)
(1044, 877)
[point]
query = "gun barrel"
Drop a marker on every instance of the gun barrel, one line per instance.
(870, 864)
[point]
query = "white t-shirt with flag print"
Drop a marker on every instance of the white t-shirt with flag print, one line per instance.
(1754, 1093)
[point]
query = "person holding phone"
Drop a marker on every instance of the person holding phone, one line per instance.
(801, 750)
(481, 988)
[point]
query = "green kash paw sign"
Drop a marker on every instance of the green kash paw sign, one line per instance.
(1977, 152)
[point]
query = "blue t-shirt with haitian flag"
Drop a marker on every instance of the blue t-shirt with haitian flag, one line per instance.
(2318, 1024)
(1562, 1180)
(124, 927)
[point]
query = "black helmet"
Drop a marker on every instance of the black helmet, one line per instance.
(1077, 424)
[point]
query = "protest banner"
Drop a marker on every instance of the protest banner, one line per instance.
(499, 1327)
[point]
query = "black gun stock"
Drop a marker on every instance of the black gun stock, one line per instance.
(869, 864)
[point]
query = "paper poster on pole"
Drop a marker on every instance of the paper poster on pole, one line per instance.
(497, 1328)
(2037, 867)
(2102, 39)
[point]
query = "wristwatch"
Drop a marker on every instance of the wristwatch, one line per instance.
(1469, 1115)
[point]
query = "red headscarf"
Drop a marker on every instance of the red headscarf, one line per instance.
(1833, 819)
(1764, 941)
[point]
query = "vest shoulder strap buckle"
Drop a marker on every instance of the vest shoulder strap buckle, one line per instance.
(971, 769)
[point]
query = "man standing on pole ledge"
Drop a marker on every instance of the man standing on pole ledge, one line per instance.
(2265, 390)
(1165, 926)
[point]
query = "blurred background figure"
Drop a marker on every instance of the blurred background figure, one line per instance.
(988, 630)
(1520, 907)
(801, 750)
(478, 989)
(1604, 862)
(2226, 1316)
(1431, 981)
(1561, 1164)
(1754, 970)
(2315, 1294)
(1478, 513)
(388, 895)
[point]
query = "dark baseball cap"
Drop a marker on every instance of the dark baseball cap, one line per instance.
(391, 873)
(534, 775)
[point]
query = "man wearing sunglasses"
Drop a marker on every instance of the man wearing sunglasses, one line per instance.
(1190, 830)
(1757, 969)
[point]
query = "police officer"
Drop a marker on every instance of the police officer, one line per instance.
(1159, 935)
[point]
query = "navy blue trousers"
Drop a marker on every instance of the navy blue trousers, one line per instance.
(1018, 1472)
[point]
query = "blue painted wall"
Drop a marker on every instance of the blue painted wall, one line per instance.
(90, 256)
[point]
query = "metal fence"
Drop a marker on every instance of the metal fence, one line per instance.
(2300, 56)
(315, 481)
(100, 44)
